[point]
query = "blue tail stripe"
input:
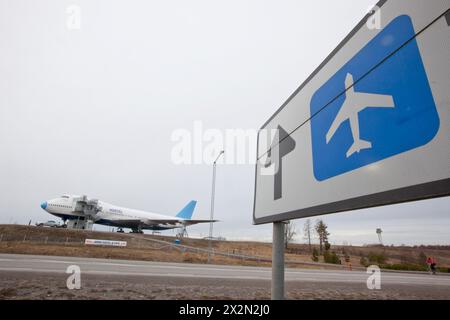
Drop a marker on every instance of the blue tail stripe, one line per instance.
(186, 212)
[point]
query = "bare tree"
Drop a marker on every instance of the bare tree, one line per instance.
(289, 233)
(307, 229)
(322, 233)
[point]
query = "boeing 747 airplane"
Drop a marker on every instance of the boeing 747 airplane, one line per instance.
(354, 103)
(80, 208)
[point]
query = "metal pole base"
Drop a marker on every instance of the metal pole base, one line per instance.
(278, 261)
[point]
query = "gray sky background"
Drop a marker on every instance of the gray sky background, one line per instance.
(92, 111)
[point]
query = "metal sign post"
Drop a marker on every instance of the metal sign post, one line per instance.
(213, 194)
(278, 261)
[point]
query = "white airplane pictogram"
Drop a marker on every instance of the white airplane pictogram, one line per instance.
(354, 103)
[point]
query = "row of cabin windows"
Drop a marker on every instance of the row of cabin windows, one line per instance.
(61, 206)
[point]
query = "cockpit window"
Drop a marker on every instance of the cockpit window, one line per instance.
(65, 197)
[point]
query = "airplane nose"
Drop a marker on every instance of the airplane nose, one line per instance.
(44, 205)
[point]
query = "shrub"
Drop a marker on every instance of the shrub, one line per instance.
(422, 259)
(364, 262)
(404, 267)
(331, 258)
(315, 255)
(377, 258)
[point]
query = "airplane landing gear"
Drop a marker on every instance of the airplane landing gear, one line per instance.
(138, 230)
(182, 233)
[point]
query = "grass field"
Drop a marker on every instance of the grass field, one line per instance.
(63, 242)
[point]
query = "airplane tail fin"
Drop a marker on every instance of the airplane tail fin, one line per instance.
(186, 212)
(358, 146)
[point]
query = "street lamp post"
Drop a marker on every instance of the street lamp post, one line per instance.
(213, 193)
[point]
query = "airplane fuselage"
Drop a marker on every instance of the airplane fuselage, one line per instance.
(111, 215)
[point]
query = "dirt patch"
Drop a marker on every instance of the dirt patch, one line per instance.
(45, 286)
(8, 293)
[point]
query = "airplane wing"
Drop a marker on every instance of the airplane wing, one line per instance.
(341, 117)
(190, 222)
(136, 223)
(156, 222)
(125, 223)
(377, 100)
(177, 221)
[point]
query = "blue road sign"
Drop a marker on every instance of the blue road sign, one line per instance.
(388, 111)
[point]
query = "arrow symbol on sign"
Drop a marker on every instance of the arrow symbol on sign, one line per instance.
(282, 145)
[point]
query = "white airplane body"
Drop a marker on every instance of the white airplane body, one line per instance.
(354, 103)
(72, 207)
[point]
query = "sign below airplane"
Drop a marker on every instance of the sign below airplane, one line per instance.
(370, 127)
(112, 243)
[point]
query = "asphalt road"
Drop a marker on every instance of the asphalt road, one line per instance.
(44, 277)
(51, 264)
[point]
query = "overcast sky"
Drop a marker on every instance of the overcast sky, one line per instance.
(92, 111)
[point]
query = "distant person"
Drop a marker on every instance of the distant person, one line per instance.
(428, 262)
(431, 265)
